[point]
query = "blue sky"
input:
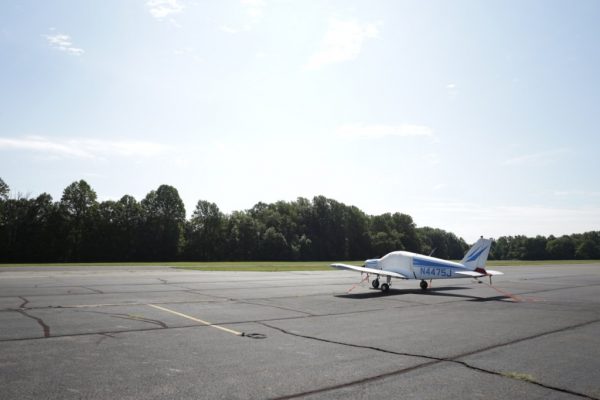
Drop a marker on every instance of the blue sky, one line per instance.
(475, 117)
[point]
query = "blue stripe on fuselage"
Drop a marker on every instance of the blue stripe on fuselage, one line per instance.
(419, 262)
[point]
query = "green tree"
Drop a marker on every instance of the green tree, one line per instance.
(357, 233)
(588, 250)
(4, 190)
(129, 222)
(385, 242)
(390, 232)
(106, 235)
(14, 229)
(511, 247)
(535, 249)
(79, 207)
(164, 219)
(243, 237)
(30, 230)
(48, 233)
(404, 225)
(206, 228)
(562, 248)
(274, 246)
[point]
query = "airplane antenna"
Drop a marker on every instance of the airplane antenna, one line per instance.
(432, 251)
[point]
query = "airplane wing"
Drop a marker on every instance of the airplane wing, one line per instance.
(369, 270)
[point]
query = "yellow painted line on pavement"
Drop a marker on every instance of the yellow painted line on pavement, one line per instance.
(198, 320)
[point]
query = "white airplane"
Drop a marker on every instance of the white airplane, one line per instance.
(407, 265)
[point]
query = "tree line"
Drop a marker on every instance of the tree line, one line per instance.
(78, 228)
(583, 246)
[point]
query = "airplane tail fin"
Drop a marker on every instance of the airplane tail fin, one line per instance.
(477, 255)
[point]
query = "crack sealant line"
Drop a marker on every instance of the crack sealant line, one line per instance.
(25, 301)
(95, 291)
(533, 382)
(45, 328)
(350, 344)
(357, 382)
(433, 360)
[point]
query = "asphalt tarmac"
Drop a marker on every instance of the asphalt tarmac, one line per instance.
(158, 332)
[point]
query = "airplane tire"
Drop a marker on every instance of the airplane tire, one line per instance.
(385, 287)
(375, 283)
(423, 285)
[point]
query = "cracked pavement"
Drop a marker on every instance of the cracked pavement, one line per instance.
(93, 332)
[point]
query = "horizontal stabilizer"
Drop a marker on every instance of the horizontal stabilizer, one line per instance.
(469, 273)
(488, 272)
(369, 270)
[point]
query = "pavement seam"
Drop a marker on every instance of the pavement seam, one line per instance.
(432, 361)
(57, 336)
(308, 314)
(113, 332)
(127, 316)
(166, 282)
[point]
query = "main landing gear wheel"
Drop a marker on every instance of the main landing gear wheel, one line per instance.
(423, 285)
(375, 283)
(385, 287)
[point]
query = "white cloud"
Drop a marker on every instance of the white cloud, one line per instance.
(343, 41)
(189, 52)
(452, 90)
(254, 12)
(163, 8)
(254, 7)
(229, 30)
(83, 148)
(541, 158)
(63, 42)
(432, 159)
(378, 131)
(41, 145)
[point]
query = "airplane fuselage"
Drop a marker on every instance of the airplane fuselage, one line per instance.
(417, 266)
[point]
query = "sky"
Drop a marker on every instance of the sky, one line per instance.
(480, 118)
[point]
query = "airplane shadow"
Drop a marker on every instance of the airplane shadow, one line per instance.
(437, 291)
